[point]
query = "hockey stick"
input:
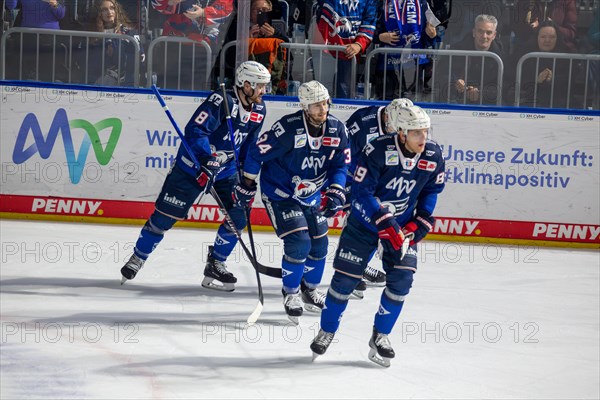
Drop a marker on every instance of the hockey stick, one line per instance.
(263, 269)
(261, 298)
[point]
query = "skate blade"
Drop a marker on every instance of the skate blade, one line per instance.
(315, 356)
(224, 287)
(377, 359)
(359, 294)
(123, 280)
(374, 284)
(312, 308)
(293, 319)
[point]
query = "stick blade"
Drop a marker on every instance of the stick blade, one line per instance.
(255, 314)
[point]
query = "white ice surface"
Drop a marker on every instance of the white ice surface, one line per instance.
(480, 322)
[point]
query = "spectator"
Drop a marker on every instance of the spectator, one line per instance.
(592, 41)
(207, 23)
(531, 14)
(265, 44)
(112, 61)
(348, 24)
(441, 11)
(261, 21)
(545, 81)
(44, 14)
(403, 24)
(475, 82)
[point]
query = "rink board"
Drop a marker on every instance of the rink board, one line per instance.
(75, 153)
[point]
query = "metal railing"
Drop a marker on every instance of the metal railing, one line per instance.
(576, 71)
(183, 44)
(315, 59)
(303, 55)
(69, 42)
(437, 57)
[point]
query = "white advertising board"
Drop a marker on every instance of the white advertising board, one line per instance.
(501, 165)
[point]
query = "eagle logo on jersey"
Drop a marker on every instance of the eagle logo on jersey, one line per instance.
(396, 207)
(305, 188)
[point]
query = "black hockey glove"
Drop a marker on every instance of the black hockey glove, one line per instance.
(418, 227)
(332, 201)
(243, 193)
(208, 172)
(388, 228)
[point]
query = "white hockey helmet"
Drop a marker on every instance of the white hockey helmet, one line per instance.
(391, 112)
(252, 72)
(312, 92)
(409, 118)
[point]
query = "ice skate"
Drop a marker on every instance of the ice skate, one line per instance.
(381, 349)
(131, 268)
(359, 290)
(321, 343)
(373, 277)
(314, 300)
(293, 306)
(216, 270)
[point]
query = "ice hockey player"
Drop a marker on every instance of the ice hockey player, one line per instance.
(364, 125)
(208, 136)
(395, 190)
(303, 154)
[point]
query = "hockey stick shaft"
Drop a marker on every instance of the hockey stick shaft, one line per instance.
(261, 297)
(263, 269)
(181, 136)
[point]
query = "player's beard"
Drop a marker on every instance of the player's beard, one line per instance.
(316, 119)
(255, 97)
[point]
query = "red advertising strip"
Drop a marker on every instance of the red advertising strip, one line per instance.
(460, 229)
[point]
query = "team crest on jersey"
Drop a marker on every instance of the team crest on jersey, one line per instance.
(427, 165)
(221, 155)
(299, 141)
(256, 117)
(331, 141)
(304, 188)
(429, 153)
(392, 158)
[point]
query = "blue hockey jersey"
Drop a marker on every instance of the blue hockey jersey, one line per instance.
(385, 177)
(363, 126)
(296, 165)
(207, 133)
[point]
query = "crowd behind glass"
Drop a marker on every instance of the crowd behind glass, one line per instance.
(564, 31)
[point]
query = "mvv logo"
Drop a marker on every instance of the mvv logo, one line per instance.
(60, 124)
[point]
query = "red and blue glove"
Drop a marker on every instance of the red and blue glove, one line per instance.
(418, 227)
(332, 201)
(388, 228)
(208, 172)
(243, 193)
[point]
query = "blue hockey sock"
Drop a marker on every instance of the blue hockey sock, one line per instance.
(389, 311)
(332, 313)
(224, 243)
(291, 275)
(313, 272)
(146, 243)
